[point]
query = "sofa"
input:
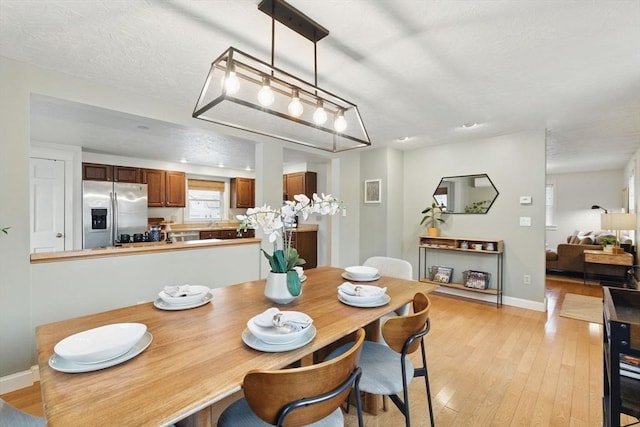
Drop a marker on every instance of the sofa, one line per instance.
(569, 257)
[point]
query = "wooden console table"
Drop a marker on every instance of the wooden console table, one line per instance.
(601, 257)
(463, 245)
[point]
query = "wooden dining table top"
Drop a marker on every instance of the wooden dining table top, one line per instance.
(197, 356)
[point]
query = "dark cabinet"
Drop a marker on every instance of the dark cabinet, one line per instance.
(165, 188)
(306, 243)
(99, 172)
(299, 183)
(243, 192)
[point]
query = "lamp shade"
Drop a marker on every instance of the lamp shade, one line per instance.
(618, 221)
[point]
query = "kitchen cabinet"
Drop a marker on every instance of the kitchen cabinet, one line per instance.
(225, 234)
(165, 188)
(306, 243)
(299, 183)
(99, 172)
(243, 193)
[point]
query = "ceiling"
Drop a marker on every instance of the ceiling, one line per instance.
(415, 68)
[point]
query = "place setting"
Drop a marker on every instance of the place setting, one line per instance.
(359, 295)
(100, 347)
(277, 331)
(361, 273)
(183, 297)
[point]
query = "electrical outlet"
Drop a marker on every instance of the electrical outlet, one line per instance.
(526, 279)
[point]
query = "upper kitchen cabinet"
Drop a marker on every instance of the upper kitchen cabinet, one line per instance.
(299, 183)
(99, 172)
(165, 188)
(243, 192)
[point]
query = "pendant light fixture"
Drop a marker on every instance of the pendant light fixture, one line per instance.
(246, 93)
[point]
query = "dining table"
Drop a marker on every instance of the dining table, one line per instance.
(197, 356)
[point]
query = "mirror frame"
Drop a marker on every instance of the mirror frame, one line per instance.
(447, 181)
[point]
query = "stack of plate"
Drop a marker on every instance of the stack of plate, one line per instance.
(183, 297)
(362, 295)
(361, 273)
(294, 329)
(100, 347)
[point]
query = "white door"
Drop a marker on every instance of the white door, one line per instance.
(47, 205)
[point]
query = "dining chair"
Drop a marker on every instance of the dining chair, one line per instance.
(393, 267)
(13, 417)
(386, 369)
(306, 396)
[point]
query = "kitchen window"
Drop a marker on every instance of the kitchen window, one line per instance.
(204, 200)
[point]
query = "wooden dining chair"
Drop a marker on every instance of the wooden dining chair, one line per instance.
(13, 417)
(307, 396)
(386, 369)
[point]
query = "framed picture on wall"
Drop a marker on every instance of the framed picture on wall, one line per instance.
(372, 191)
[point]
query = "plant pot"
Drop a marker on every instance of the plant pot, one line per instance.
(608, 249)
(276, 289)
(433, 232)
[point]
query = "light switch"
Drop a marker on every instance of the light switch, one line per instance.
(525, 221)
(525, 200)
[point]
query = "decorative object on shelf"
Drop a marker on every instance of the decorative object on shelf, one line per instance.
(441, 274)
(372, 191)
(277, 224)
(476, 279)
(464, 245)
(239, 86)
(432, 217)
(490, 246)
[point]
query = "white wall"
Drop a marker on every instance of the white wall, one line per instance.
(575, 193)
(516, 165)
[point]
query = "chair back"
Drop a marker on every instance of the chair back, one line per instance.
(397, 330)
(268, 392)
(393, 267)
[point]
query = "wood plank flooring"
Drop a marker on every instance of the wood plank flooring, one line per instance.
(492, 367)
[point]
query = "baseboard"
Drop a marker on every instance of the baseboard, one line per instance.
(19, 380)
(511, 301)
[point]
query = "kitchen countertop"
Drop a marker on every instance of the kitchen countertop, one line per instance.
(177, 228)
(134, 249)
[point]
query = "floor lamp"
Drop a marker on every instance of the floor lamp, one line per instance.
(618, 222)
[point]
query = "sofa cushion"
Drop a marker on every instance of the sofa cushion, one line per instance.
(551, 255)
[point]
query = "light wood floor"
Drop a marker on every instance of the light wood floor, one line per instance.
(493, 367)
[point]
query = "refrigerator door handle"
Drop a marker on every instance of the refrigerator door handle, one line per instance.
(115, 217)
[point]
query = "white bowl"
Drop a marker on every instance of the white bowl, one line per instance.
(362, 272)
(273, 335)
(196, 293)
(100, 344)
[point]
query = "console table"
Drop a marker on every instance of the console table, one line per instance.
(467, 246)
(601, 257)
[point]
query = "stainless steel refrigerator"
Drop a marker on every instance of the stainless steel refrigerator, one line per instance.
(110, 209)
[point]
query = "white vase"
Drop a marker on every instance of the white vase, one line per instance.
(276, 289)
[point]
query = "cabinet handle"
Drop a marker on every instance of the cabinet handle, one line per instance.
(58, 235)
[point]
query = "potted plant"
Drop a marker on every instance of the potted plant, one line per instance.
(432, 216)
(607, 243)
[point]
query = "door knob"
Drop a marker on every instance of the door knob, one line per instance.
(58, 235)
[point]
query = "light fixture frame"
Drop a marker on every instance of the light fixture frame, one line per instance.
(251, 70)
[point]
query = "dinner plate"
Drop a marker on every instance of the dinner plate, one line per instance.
(61, 364)
(163, 305)
(347, 276)
(253, 342)
(303, 278)
(384, 300)
(361, 299)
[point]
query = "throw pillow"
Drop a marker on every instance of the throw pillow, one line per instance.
(586, 241)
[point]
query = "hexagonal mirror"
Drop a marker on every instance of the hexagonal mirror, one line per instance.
(466, 194)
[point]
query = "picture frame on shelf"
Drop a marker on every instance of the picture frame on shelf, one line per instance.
(373, 191)
(441, 274)
(476, 279)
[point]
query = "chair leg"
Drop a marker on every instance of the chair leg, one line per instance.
(426, 382)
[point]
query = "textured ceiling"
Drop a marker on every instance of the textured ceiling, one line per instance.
(415, 68)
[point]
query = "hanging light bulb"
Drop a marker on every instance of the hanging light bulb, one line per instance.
(295, 106)
(231, 84)
(265, 95)
(320, 116)
(340, 124)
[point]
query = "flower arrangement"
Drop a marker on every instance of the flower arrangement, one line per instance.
(278, 224)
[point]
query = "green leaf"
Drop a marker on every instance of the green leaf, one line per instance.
(293, 283)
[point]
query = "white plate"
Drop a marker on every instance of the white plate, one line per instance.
(163, 305)
(303, 278)
(384, 300)
(197, 293)
(63, 365)
(347, 276)
(279, 336)
(360, 299)
(100, 344)
(253, 342)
